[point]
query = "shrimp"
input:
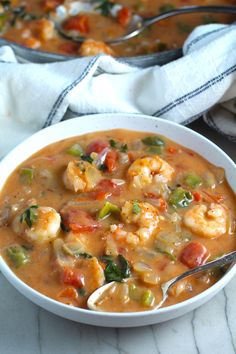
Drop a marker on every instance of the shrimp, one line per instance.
(143, 215)
(207, 221)
(81, 176)
(37, 224)
(90, 47)
(144, 171)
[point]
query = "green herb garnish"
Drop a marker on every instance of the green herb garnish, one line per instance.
(112, 143)
(124, 148)
(105, 7)
(81, 291)
(136, 208)
(87, 158)
(29, 216)
(85, 255)
(117, 272)
(153, 141)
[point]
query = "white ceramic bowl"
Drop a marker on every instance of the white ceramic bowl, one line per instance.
(82, 125)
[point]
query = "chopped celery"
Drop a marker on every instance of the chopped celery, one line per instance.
(75, 150)
(153, 141)
(135, 293)
(180, 198)
(107, 210)
(165, 247)
(155, 150)
(26, 174)
(147, 298)
(193, 181)
(18, 255)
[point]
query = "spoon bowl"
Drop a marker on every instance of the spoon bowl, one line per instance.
(165, 287)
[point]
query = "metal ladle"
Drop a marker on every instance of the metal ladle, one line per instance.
(138, 23)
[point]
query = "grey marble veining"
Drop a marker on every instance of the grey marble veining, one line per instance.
(27, 329)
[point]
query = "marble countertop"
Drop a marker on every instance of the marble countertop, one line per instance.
(27, 329)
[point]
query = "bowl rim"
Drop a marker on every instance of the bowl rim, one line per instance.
(21, 285)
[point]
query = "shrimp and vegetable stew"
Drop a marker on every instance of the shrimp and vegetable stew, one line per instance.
(34, 24)
(118, 206)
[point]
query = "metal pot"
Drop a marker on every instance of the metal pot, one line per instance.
(143, 61)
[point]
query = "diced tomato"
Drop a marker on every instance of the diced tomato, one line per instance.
(194, 254)
(172, 150)
(77, 23)
(49, 5)
(108, 186)
(96, 146)
(73, 277)
(197, 196)
(69, 47)
(111, 160)
(69, 292)
(124, 16)
(78, 220)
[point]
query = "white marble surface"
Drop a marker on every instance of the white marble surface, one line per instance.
(28, 329)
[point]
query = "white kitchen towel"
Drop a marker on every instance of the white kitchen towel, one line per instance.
(34, 96)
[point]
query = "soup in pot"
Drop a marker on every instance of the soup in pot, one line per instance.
(32, 24)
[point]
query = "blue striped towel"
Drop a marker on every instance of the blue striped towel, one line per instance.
(33, 96)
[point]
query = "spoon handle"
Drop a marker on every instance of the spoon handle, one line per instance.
(189, 9)
(228, 258)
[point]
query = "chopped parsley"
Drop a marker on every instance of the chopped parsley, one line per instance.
(105, 7)
(112, 143)
(117, 272)
(29, 216)
(87, 158)
(136, 208)
(124, 148)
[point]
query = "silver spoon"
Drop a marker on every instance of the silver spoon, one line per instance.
(138, 23)
(165, 287)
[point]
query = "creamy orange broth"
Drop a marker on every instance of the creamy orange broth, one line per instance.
(44, 270)
(167, 34)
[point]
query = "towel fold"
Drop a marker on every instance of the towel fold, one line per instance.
(34, 96)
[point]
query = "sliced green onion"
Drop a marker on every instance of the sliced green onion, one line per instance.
(75, 150)
(193, 181)
(17, 255)
(107, 210)
(180, 198)
(153, 141)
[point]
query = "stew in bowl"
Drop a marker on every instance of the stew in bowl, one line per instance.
(127, 206)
